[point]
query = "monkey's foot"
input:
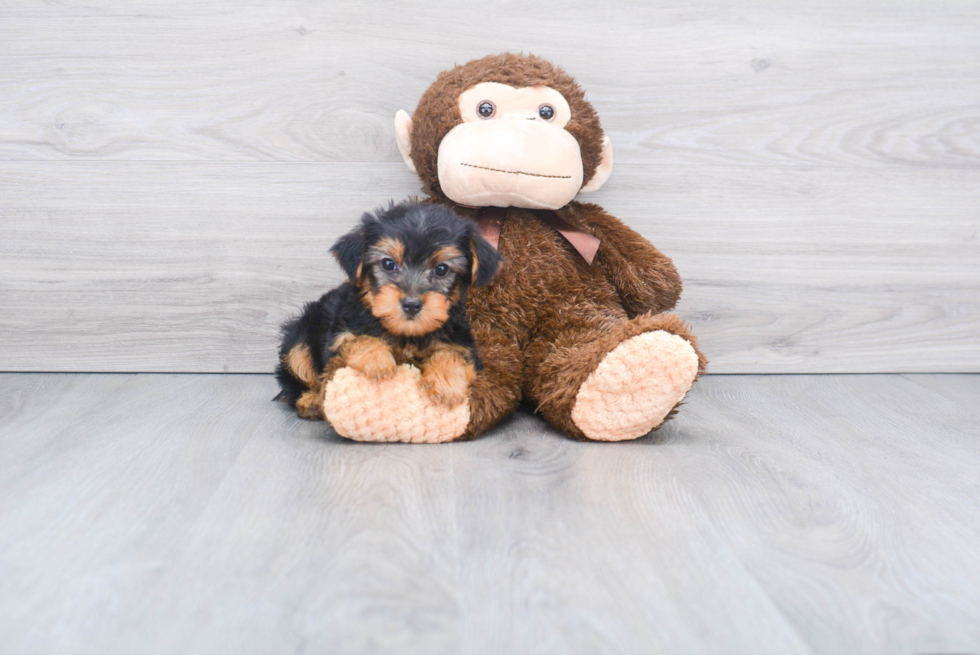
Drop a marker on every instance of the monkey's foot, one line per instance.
(393, 409)
(635, 386)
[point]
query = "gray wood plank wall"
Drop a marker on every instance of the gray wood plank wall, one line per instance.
(172, 173)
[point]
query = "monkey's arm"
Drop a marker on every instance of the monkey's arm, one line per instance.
(646, 278)
(496, 391)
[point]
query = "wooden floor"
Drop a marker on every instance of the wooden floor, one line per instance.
(776, 514)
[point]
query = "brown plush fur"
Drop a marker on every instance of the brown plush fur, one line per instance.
(548, 319)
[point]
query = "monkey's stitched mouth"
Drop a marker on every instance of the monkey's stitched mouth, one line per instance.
(497, 170)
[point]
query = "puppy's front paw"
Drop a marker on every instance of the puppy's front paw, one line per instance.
(373, 358)
(310, 405)
(448, 392)
(446, 379)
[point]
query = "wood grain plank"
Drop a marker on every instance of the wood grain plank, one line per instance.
(319, 544)
(598, 549)
(128, 519)
(192, 267)
(852, 499)
(187, 513)
(961, 389)
(826, 84)
(94, 470)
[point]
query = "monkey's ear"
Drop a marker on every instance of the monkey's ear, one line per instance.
(485, 259)
(603, 170)
(348, 250)
(403, 135)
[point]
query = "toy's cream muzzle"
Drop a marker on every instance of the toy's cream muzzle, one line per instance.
(510, 162)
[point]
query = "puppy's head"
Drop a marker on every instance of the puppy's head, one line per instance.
(413, 262)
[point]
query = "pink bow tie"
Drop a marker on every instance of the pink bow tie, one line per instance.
(491, 221)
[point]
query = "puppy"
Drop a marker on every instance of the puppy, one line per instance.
(409, 267)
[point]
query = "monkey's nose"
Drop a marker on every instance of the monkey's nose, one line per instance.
(411, 306)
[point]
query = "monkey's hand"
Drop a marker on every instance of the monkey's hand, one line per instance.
(644, 277)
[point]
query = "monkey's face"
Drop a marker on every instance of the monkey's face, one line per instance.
(530, 142)
(511, 149)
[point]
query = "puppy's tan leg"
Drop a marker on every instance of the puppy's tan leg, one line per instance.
(299, 363)
(310, 404)
(446, 376)
(368, 355)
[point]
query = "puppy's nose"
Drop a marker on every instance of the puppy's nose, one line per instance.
(411, 306)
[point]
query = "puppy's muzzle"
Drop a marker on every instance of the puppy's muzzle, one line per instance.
(411, 306)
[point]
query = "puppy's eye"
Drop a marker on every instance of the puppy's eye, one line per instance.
(547, 112)
(388, 264)
(441, 270)
(485, 109)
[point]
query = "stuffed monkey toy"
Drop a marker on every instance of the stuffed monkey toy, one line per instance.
(575, 321)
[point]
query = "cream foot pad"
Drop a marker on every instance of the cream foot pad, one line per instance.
(390, 410)
(635, 386)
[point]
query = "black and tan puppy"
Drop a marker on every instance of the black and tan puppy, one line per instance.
(409, 267)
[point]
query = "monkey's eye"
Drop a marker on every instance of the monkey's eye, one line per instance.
(485, 109)
(547, 112)
(388, 264)
(441, 270)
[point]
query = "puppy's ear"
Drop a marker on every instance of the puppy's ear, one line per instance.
(485, 260)
(348, 251)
